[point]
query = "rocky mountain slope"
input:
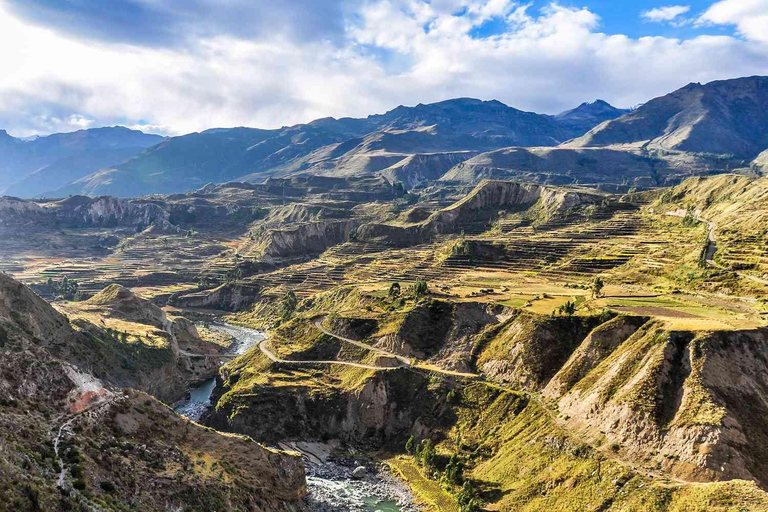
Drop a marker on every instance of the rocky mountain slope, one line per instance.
(30, 168)
(599, 167)
(73, 441)
(726, 117)
(697, 130)
(331, 146)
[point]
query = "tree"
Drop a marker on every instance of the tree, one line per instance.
(410, 444)
(454, 471)
(468, 498)
(288, 305)
(427, 455)
(420, 288)
(597, 287)
(394, 291)
(569, 308)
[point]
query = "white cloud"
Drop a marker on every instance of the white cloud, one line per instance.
(749, 16)
(667, 13)
(392, 52)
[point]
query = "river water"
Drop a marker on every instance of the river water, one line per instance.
(200, 396)
(330, 484)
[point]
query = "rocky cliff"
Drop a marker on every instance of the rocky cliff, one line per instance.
(675, 399)
(304, 239)
(150, 345)
(693, 403)
(483, 201)
(227, 297)
(71, 441)
(83, 212)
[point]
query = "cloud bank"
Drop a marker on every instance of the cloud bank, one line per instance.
(179, 69)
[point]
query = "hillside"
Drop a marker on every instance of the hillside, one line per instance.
(726, 117)
(73, 441)
(600, 410)
(737, 207)
(487, 199)
(32, 167)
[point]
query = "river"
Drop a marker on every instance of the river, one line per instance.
(330, 484)
(200, 396)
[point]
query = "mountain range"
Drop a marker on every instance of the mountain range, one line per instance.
(29, 167)
(698, 129)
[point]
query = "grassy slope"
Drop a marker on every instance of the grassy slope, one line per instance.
(524, 461)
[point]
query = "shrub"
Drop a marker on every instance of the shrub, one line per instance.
(410, 445)
(107, 486)
(420, 288)
(288, 305)
(569, 308)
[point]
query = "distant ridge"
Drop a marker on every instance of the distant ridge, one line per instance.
(440, 134)
(34, 165)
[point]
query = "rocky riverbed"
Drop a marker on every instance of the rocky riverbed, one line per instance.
(332, 487)
(339, 479)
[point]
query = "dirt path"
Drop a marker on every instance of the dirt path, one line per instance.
(319, 324)
(275, 359)
(712, 247)
(65, 428)
(406, 362)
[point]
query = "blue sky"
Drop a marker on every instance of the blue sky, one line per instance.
(178, 66)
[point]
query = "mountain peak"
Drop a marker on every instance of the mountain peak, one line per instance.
(686, 119)
(588, 115)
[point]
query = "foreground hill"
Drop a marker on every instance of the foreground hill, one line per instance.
(334, 146)
(726, 117)
(72, 441)
(32, 167)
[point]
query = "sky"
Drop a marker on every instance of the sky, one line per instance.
(174, 67)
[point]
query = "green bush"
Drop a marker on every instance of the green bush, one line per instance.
(410, 445)
(107, 486)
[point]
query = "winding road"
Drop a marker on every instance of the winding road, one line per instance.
(318, 321)
(275, 359)
(405, 362)
(712, 247)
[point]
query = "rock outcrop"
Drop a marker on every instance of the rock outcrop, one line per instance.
(305, 239)
(227, 297)
(486, 198)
